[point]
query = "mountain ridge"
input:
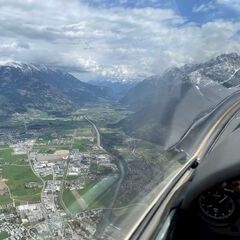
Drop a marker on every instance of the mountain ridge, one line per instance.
(165, 105)
(24, 86)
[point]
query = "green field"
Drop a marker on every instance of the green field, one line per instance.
(84, 131)
(72, 177)
(104, 199)
(3, 146)
(7, 156)
(71, 202)
(5, 199)
(121, 145)
(92, 193)
(80, 130)
(88, 185)
(104, 113)
(83, 145)
(48, 148)
(95, 195)
(17, 177)
(50, 145)
(4, 235)
(48, 177)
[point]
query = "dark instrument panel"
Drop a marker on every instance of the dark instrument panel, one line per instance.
(217, 204)
(219, 208)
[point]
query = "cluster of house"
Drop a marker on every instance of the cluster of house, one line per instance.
(49, 199)
(45, 164)
(33, 185)
(30, 213)
(13, 230)
(79, 164)
(3, 187)
(87, 225)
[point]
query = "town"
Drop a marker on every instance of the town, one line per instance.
(71, 177)
(63, 178)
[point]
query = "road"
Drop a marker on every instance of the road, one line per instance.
(62, 188)
(36, 174)
(10, 195)
(43, 188)
(108, 211)
(64, 179)
(98, 137)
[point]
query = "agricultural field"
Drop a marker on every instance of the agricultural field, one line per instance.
(16, 178)
(128, 148)
(94, 195)
(104, 113)
(7, 156)
(48, 177)
(92, 192)
(4, 235)
(83, 145)
(70, 202)
(5, 199)
(65, 135)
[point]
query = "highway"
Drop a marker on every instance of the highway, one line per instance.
(120, 163)
(98, 137)
(98, 143)
(108, 210)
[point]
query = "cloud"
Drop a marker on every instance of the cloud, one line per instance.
(121, 41)
(232, 4)
(204, 7)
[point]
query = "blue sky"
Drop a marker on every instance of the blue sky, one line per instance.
(199, 11)
(128, 3)
(202, 11)
(118, 39)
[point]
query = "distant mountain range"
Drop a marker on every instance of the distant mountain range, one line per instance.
(166, 105)
(26, 86)
(116, 90)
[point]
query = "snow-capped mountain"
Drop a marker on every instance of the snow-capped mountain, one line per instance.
(223, 69)
(24, 86)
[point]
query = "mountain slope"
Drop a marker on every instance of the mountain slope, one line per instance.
(166, 105)
(116, 90)
(24, 86)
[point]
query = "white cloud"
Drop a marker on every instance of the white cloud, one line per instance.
(233, 4)
(204, 7)
(117, 42)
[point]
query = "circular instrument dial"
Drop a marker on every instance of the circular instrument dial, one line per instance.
(216, 204)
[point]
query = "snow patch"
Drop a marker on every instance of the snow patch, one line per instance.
(196, 78)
